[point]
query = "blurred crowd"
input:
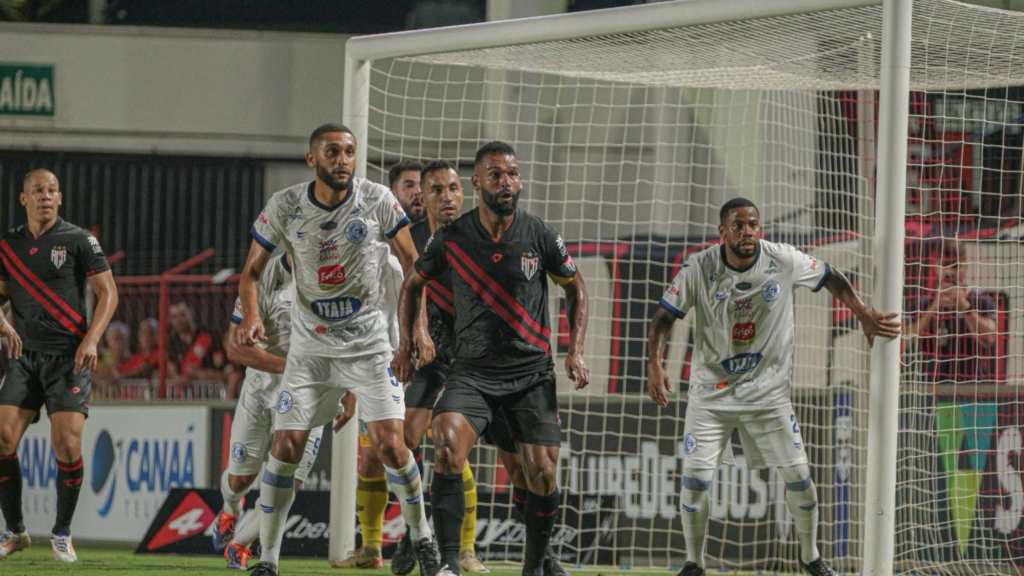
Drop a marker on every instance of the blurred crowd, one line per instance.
(197, 365)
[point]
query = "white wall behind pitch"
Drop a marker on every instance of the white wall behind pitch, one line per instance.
(144, 90)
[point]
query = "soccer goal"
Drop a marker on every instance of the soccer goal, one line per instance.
(884, 138)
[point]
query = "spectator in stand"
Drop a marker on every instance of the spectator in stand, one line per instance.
(147, 359)
(116, 351)
(954, 328)
(191, 352)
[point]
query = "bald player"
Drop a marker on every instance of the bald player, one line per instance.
(44, 268)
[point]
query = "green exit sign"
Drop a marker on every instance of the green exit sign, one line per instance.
(26, 90)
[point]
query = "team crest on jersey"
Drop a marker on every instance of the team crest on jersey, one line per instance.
(771, 291)
(238, 452)
(284, 402)
(530, 264)
(59, 255)
(355, 232)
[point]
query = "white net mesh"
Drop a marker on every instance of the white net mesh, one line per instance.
(629, 145)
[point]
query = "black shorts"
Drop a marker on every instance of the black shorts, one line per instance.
(499, 433)
(427, 383)
(36, 379)
(530, 414)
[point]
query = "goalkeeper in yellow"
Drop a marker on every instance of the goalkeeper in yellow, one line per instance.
(442, 193)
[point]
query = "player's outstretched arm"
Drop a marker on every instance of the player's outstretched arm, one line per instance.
(252, 356)
(872, 322)
(577, 310)
(105, 290)
(409, 301)
(6, 330)
(250, 331)
(658, 384)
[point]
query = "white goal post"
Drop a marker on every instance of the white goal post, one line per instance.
(633, 125)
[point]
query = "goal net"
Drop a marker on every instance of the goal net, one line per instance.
(630, 142)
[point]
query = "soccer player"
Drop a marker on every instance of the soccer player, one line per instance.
(741, 293)
(498, 256)
(252, 428)
(337, 230)
(44, 268)
(404, 180)
(442, 194)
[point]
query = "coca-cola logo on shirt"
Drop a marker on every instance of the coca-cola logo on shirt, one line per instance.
(331, 275)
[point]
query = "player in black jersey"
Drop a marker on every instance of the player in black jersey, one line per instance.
(497, 256)
(44, 267)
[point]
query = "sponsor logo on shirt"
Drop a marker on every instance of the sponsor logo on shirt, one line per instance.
(742, 363)
(569, 264)
(97, 250)
(713, 279)
(771, 290)
(329, 225)
(673, 289)
(773, 268)
(335, 331)
(59, 255)
(355, 232)
(297, 214)
(530, 263)
(561, 246)
(743, 308)
(329, 250)
(332, 275)
(743, 286)
(743, 333)
(263, 218)
(358, 210)
(337, 308)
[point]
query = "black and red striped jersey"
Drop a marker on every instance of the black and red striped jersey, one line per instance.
(500, 291)
(440, 300)
(46, 279)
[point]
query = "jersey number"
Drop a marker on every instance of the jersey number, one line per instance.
(792, 418)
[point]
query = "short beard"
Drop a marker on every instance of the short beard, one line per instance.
(333, 183)
(501, 209)
(737, 251)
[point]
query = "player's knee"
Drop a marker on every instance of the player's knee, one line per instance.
(447, 460)
(543, 477)
(67, 446)
(395, 454)
(240, 483)
(287, 448)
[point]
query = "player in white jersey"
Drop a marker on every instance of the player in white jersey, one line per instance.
(252, 427)
(741, 295)
(338, 230)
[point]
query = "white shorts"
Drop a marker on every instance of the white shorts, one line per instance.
(312, 386)
(252, 430)
(770, 436)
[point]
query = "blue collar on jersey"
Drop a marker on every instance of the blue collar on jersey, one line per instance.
(320, 205)
(757, 256)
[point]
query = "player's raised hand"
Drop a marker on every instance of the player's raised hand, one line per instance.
(250, 331)
(401, 364)
(577, 370)
(86, 357)
(875, 323)
(425, 351)
(658, 384)
(13, 340)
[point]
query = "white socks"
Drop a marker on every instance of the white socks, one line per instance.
(277, 490)
(247, 530)
(232, 499)
(802, 499)
(695, 503)
(406, 484)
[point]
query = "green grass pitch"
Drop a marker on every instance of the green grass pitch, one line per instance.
(38, 560)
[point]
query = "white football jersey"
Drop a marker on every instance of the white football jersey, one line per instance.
(339, 259)
(743, 321)
(277, 291)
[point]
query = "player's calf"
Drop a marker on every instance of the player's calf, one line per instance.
(802, 500)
